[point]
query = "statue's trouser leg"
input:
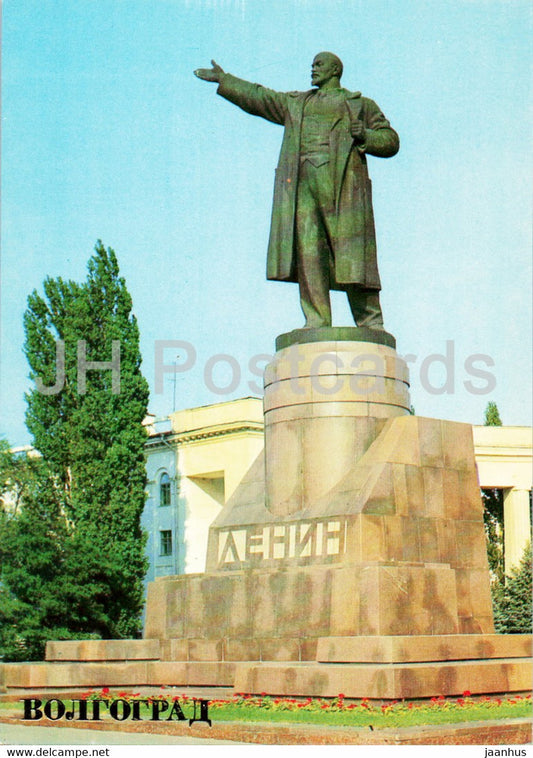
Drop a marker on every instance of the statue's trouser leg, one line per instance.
(313, 213)
(365, 306)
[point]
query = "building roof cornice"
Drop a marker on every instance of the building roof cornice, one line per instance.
(203, 433)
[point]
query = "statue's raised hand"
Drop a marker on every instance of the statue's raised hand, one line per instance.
(210, 74)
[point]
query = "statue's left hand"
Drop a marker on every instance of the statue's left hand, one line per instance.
(357, 130)
(210, 74)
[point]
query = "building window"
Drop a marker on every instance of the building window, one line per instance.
(164, 489)
(166, 542)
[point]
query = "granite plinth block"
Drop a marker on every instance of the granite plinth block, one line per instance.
(387, 681)
(239, 649)
(367, 598)
(414, 648)
(80, 674)
(103, 650)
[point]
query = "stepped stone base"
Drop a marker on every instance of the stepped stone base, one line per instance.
(387, 668)
(399, 667)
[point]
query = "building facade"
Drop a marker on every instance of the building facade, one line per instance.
(195, 459)
(504, 462)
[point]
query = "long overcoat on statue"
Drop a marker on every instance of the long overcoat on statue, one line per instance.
(354, 240)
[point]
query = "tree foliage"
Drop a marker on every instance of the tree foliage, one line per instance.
(512, 600)
(40, 569)
(18, 472)
(492, 415)
(494, 531)
(493, 511)
(76, 549)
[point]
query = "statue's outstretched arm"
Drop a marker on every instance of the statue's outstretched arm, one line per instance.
(252, 98)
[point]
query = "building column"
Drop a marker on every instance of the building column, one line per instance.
(517, 526)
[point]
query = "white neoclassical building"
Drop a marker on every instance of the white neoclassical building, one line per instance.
(503, 458)
(197, 457)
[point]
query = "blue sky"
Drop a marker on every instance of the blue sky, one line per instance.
(107, 134)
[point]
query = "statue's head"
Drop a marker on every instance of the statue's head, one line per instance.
(325, 67)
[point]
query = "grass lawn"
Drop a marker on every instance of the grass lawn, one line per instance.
(338, 712)
(319, 711)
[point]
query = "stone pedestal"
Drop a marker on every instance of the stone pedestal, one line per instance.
(351, 558)
(396, 546)
(360, 525)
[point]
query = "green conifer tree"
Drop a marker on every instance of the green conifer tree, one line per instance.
(492, 415)
(513, 606)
